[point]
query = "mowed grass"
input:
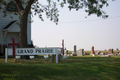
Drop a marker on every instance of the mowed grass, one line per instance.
(74, 68)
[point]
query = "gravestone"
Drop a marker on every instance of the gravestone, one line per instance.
(98, 53)
(32, 57)
(74, 54)
(65, 55)
(102, 53)
(46, 56)
(110, 51)
(67, 52)
(92, 50)
(80, 52)
(74, 49)
(117, 52)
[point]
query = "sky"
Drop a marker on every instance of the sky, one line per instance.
(77, 30)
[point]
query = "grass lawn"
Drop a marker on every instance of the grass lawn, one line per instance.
(75, 68)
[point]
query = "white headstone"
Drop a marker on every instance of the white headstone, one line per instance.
(17, 57)
(31, 57)
(80, 52)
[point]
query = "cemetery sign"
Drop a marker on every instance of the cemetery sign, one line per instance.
(31, 51)
(34, 51)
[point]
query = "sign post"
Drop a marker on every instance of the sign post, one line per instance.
(13, 44)
(56, 58)
(6, 55)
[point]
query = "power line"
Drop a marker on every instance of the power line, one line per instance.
(90, 20)
(86, 20)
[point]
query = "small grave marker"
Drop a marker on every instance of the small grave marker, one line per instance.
(17, 57)
(31, 57)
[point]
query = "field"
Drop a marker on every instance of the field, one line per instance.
(75, 68)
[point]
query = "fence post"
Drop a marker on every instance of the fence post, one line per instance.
(6, 55)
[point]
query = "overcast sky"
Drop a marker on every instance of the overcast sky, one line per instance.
(77, 30)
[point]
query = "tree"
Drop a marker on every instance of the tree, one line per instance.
(34, 7)
(2, 2)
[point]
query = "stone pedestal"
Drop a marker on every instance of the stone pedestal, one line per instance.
(92, 50)
(110, 51)
(74, 54)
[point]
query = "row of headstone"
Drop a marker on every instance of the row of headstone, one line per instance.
(80, 52)
(110, 53)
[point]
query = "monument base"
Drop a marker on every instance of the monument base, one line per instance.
(74, 54)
